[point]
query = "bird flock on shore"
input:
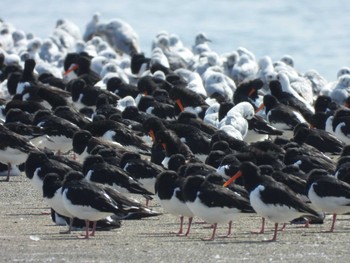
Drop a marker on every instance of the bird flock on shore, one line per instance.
(93, 122)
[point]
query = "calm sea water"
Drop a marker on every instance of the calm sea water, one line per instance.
(315, 33)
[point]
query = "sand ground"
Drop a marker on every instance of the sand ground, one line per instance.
(28, 236)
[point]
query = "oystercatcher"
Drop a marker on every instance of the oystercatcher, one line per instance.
(97, 170)
(320, 139)
(214, 203)
(52, 193)
(59, 131)
(14, 148)
(144, 171)
(168, 188)
(270, 199)
(92, 202)
(328, 193)
(38, 164)
(281, 116)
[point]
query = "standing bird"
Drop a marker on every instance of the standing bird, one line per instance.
(238, 117)
(38, 164)
(289, 99)
(14, 148)
(97, 170)
(328, 193)
(214, 203)
(270, 199)
(92, 202)
(143, 170)
(281, 116)
(59, 131)
(320, 139)
(121, 36)
(52, 193)
(172, 145)
(169, 191)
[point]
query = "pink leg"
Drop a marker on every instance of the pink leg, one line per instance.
(213, 234)
(147, 202)
(229, 231)
(307, 223)
(188, 227)
(94, 228)
(333, 223)
(283, 227)
(262, 230)
(181, 227)
(8, 172)
(87, 225)
(275, 233)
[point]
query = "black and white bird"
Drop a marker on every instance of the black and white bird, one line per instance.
(322, 140)
(97, 170)
(84, 143)
(328, 194)
(306, 158)
(52, 193)
(59, 132)
(92, 202)
(38, 164)
(169, 191)
(14, 148)
(116, 132)
(270, 199)
(281, 116)
(143, 170)
(214, 203)
(197, 140)
(172, 145)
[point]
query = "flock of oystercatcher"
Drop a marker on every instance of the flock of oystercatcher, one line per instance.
(91, 120)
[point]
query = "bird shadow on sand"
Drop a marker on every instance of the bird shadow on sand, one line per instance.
(11, 181)
(74, 235)
(172, 237)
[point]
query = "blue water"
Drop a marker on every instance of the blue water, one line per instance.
(315, 33)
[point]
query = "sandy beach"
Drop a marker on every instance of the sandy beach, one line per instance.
(29, 236)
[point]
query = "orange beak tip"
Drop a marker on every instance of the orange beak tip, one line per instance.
(251, 92)
(179, 103)
(152, 135)
(72, 68)
(260, 108)
(233, 178)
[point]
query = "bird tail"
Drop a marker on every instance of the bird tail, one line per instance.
(316, 217)
(137, 213)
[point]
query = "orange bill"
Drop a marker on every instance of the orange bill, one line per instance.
(251, 92)
(164, 146)
(260, 108)
(153, 136)
(178, 102)
(72, 67)
(229, 181)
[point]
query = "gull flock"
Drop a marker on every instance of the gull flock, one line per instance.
(93, 122)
